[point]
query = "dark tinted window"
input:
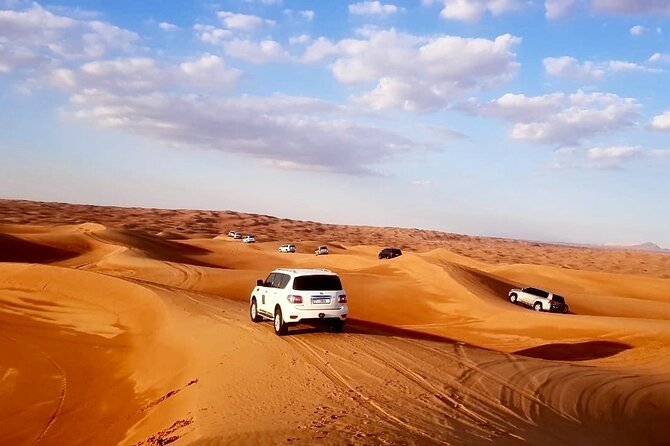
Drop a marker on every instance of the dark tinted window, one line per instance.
(317, 283)
(268, 281)
(396, 251)
(536, 292)
(558, 299)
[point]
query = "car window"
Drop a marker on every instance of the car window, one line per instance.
(276, 281)
(317, 283)
(558, 299)
(537, 292)
(268, 281)
(284, 281)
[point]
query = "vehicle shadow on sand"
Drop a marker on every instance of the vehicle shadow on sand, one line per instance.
(582, 351)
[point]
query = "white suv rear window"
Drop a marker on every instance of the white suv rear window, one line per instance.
(317, 283)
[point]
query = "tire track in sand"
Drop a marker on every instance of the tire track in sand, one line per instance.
(310, 353)
(63, 390)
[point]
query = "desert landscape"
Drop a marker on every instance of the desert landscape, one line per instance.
(130, 326)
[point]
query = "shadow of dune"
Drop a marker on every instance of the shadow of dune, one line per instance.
(357, 326)
(582, 351)
(156, 247)
(14, 249)
(480, 280)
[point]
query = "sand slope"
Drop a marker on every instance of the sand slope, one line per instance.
(109, 335)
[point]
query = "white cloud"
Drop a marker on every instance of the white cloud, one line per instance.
(299, 40)
(443, 132)
(421, 183)
(606, 157)
(659, 58)
(211, 34)
(417, 73)
(559, 118)
(208, 71)
(637, 30)
(266, 2)
(307, 14)
(619, 66)
(556, 9)
(169, 27)
(280, 131)
(612, 153)
(256, 52)
(38, 31)
(11, 58)
(474, 10)
(320, 49)
(631, 6)
(36, 24)
(661, 122)
(145, 75)
(570, 67)
(241, 22)
(372, 8)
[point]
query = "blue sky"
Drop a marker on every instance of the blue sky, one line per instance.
(545, 120)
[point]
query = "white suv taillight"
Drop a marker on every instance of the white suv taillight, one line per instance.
(342, 299)
(294, 299)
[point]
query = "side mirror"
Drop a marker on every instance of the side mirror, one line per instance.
(259, 282)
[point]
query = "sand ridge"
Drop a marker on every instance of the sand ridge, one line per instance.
(146, 336)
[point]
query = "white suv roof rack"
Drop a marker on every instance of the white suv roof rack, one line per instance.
(304, 270)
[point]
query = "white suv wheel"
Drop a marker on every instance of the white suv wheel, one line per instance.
(280, 326)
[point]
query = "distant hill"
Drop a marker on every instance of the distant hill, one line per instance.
(648, 247)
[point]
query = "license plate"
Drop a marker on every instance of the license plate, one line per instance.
(321, 300)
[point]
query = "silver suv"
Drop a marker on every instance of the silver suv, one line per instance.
(292, 296)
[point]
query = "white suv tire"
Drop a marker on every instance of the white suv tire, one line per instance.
(280, 326)
(253, 312)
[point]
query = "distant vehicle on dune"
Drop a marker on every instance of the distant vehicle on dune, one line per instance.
(321, 251)
(389, 253)
(287, 248)
(538, 299)
(249, 239)
(234, 234)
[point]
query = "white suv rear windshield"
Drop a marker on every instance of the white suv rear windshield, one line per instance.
(317, 283)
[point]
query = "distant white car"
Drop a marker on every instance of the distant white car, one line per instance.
(234, 234)
(321, 251)
(291, 296)
(249, 239)
(287, 248)
(538, 299)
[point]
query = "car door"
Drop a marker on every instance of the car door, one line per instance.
(526, 296)
(266, 294)
(277, 290)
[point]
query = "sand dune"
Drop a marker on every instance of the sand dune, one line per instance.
(138, 333)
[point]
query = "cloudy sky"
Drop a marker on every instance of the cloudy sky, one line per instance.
(543, 119)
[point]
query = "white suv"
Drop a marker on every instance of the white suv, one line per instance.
(287, 248)
(292, 296)
(539, 299)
